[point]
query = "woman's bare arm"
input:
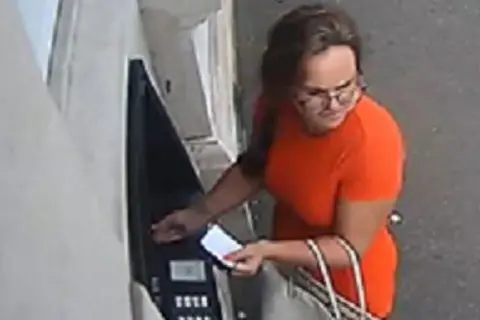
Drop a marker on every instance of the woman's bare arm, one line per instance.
(231, 190)
(358, 222)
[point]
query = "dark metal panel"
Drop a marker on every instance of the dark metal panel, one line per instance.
(160, 179)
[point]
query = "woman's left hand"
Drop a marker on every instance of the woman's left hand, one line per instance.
(249, 259)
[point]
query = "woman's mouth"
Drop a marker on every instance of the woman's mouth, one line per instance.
(332, 116)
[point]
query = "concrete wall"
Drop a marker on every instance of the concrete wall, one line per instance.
(193, 61)
(60, 258)
(39, 18)
(63, 242)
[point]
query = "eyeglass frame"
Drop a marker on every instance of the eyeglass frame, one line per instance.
(330, 95)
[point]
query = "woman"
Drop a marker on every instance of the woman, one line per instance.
(329, 154)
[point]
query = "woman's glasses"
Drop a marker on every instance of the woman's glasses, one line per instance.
(320, 99)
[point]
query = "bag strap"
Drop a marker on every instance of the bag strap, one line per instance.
(357, 274)
(322, 267)
(355, 262)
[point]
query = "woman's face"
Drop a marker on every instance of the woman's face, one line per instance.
(328, 90)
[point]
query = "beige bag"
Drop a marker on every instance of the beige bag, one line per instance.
(290, 294)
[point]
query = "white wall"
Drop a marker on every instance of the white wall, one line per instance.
(39, 18)
(63, 241)
(196, 55)
(173, 59)
(211, 41)
(60, 259)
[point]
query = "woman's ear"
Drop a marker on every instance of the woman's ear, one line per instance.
(362, 83)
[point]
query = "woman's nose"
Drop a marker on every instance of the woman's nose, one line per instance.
(333, 104)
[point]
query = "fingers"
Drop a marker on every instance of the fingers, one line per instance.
(244, 270)
(160, 236)
(167, 231)
(246, 261)
(158, 225)
(247, 268)
(238, 255)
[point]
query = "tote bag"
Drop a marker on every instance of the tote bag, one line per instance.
(290, 294)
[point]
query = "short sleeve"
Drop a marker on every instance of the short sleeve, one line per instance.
(375, 170)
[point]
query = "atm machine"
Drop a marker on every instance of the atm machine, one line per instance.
(179, 277)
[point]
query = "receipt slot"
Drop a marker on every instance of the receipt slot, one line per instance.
(160, 178)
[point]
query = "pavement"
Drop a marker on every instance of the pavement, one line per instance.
(422, 61)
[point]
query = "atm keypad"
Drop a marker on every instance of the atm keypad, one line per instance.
(193, 307)
(191, 301)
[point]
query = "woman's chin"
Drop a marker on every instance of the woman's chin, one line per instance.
(322, 126)
(334, 122)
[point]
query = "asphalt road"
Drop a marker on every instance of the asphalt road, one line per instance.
(423, 61)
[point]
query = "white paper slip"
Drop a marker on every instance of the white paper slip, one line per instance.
(219, 243)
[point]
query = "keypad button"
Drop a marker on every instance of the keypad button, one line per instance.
(178, 301)
(207, 318)
(196, 302)
(190, 318)
(198, 318)
(188, 303)
(181, 318)
(155, 284)
(204, 301)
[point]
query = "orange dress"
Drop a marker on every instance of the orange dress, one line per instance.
(360, 160)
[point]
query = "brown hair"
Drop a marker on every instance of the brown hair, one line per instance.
(305, 31)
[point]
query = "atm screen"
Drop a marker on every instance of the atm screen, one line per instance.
(188, 271)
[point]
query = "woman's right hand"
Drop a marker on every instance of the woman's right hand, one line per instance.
(178, 225)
